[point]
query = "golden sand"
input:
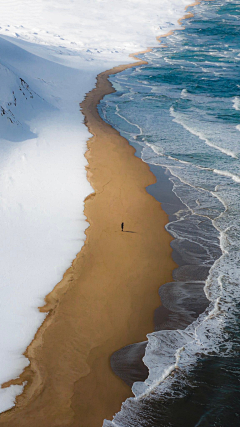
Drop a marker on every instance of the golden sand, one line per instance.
(107, 298)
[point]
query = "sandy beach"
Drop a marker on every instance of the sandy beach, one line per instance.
(107, 298)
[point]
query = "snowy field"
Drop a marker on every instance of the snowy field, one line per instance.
(50, 54)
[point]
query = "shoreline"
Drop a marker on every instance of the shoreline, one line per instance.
(36, 392)
(74, 302)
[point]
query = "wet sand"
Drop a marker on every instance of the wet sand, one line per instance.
(107, 299)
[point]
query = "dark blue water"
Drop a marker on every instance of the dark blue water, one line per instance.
(182, 111)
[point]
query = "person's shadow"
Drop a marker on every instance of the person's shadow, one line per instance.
(127, 231)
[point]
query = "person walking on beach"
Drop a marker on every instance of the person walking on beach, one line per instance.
(122, 226)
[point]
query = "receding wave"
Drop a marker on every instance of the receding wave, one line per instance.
(235, 178)
(186, 102)
(179, 118)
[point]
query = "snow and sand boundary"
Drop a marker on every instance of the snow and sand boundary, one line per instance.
(43, 179)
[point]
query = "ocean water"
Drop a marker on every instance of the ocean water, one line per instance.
(182, 113)
(50, 54)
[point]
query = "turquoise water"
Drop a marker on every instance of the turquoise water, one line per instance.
(182, 111)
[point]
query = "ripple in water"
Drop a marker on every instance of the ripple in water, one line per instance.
(182, 113)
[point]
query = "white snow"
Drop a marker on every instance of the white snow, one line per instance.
(50, 54)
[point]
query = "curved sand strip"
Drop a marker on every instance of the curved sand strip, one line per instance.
(107, 298)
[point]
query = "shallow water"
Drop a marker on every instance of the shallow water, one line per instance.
(183, 112)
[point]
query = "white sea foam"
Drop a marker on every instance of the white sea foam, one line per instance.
(126, 120)
(234, 177)
(236, 106)
(236, 103)
(57, 48)
(184, 93)
(213, 193)
(179, 118)
(169, 350)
